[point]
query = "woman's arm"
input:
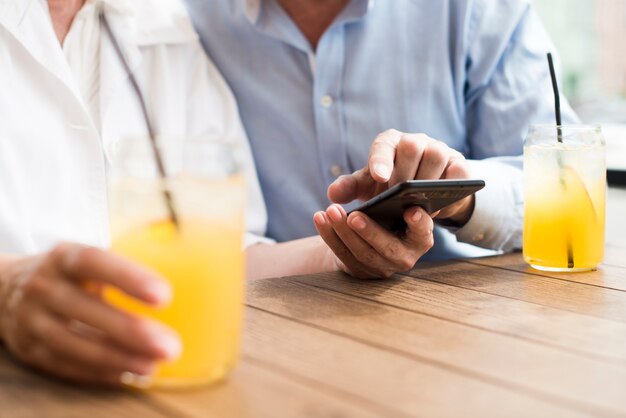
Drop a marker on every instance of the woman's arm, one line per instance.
(51, 321)
(303, 256)
(5, 284)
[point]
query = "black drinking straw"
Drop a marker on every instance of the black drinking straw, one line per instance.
(559, 137)
(144, 110)
(557, 99)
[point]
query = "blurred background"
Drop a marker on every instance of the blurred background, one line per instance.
(590, 36)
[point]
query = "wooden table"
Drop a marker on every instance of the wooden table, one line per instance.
(479, 338)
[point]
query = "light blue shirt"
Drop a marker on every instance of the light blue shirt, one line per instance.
(471, 73)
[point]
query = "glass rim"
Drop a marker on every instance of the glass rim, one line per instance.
(201, 156)
(568, 127)
(164, 140)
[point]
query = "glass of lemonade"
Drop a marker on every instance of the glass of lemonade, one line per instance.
(565, 197)
(201, 256)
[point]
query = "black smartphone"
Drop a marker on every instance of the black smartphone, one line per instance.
(387, 208)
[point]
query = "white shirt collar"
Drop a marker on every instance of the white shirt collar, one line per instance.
(160, 22)
(12, 12)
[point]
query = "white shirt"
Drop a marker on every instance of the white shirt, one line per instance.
(81, 48)
(54, 127)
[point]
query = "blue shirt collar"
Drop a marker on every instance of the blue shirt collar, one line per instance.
(355, 10)
(252, 10)
(270, 19)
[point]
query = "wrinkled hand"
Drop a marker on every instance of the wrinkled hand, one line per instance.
(366, 250)
(362, 247)
(53, 318)
(396, 157)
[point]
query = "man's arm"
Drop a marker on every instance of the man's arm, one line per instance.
(507, 90)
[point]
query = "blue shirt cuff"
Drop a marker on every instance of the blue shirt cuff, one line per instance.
(497, 220)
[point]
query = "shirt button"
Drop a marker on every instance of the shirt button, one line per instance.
(336, 170)
(326, 101)
(479, 237)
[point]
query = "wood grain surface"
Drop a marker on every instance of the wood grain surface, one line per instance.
(485, 337)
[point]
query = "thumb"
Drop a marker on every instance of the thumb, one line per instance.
(357, 185)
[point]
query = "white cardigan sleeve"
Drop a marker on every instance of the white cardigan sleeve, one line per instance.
(212, 110)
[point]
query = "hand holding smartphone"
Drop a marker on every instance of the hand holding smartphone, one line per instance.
(388, 208)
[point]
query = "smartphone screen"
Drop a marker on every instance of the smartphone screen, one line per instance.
(387, 208)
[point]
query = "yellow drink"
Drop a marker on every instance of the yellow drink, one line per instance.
(202, 257)
(564, 212)
(203, 262)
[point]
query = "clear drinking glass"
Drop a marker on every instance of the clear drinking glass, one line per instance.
(565, 197)
(201, 256)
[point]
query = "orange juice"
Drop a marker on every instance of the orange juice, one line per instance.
(203, 261)
(564, 209)
(202, 256)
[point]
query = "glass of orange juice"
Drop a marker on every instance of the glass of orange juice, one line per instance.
(564, 197)
(200, 255)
